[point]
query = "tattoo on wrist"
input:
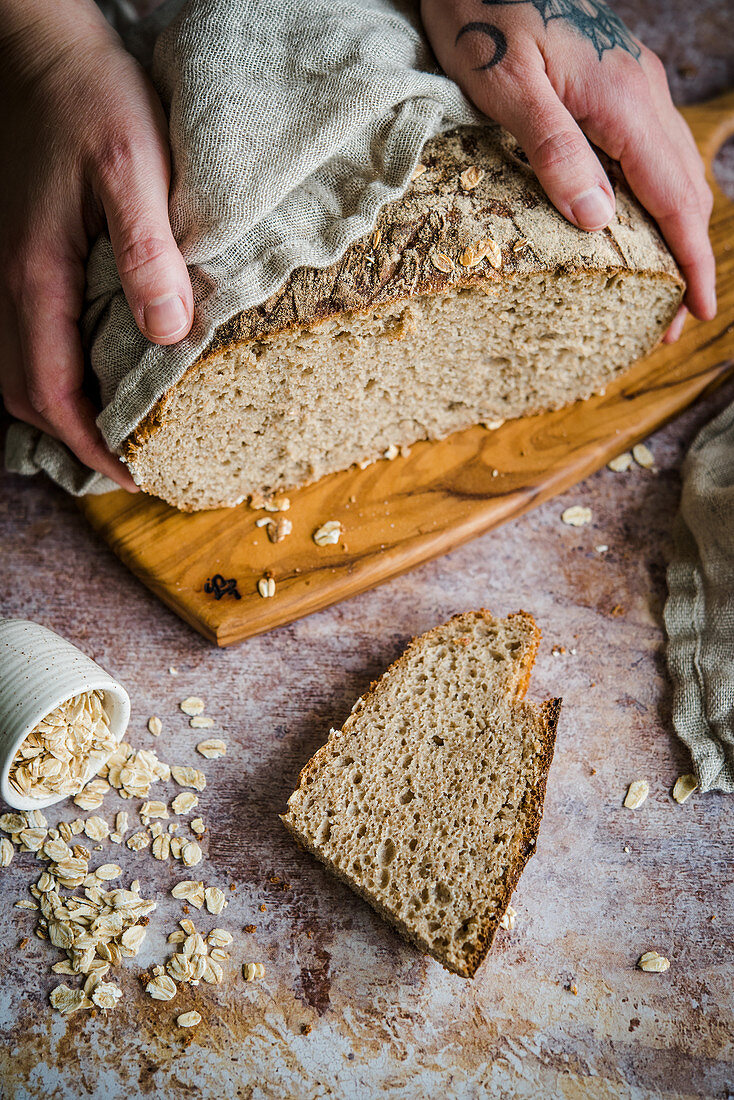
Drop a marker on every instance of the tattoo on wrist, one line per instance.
(592, 19)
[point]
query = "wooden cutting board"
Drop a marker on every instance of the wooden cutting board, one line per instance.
(397, 514)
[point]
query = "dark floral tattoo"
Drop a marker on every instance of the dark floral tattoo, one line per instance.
(591, 18)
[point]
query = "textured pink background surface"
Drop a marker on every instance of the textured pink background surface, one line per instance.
(381, 1017)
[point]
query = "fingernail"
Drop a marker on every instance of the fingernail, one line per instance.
(166, 316)
(593, 209)
(712, 303)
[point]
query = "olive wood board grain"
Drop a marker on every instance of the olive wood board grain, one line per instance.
(396, 514)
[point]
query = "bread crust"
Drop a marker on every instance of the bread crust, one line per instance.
(532, 806)
(438, 216)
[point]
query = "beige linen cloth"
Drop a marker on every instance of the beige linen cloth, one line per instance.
(699, 612)
(291, 125)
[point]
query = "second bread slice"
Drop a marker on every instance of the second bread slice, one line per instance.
(428, 801)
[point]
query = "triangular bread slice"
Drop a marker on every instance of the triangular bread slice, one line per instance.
(428, 801)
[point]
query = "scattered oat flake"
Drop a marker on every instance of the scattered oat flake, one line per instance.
(508, 918)
(189, 777)
(684, 787)
(643, 456)
(213, 748)
(138, 841)
(192, 705)
(6, 852)
(155, 725)
(161, 988)
(328, 534)
(520, 245)
(215, 899)
(417, 171)
(198, 826)
(108, 871)
(219, 937)
(201, 722)
(391, 453)
(184, 802)
(66, 1000)
(637, 792)
(191, 854)
(442, 262)
(653, 963)
(620, 463)
(252, 971)
(576, 516)
(266, 587)
(106, 994)
(191, 891)
(161, 847)
(188, 1019)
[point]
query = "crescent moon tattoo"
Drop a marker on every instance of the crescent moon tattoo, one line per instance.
(500, 42)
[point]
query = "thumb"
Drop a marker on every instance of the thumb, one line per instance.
(561, 157)
(152, 270)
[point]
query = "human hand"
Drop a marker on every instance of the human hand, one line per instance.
(85, 140)
(559, 74)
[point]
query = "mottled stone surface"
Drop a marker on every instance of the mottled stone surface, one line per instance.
(346, 1009)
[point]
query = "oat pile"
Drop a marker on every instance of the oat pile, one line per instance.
(81, 905)
(64, 750)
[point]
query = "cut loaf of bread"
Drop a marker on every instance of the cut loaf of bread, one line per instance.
(473, 301)
(428, 801)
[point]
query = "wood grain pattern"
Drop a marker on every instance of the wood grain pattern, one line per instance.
(398, 514)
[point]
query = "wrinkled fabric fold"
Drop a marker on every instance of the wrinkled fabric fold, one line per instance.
(290, 128)
(699, 612)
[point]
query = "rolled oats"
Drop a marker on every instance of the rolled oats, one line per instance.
(201, 722)
(155, 725)
(215, 899)
(279, 529)
(64, 750)
(442, 262)
(6, 852)
(684, 787)
(106, 994)
(643, 456)
(266, 587)
(189, 777)
(637, 792)
(184, 802)
(161, 988)
(328, 534)
(188, 1019)
(191, 854)
(192, 705)
(162, 847)
(219, 937)
(213, 748)
(253, 971)
(508, 918)
(576, 516)
(198, 826)
(653, 963)
(620, 463)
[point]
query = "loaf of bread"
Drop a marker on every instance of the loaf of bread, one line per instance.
(428, 801)
(473, 301)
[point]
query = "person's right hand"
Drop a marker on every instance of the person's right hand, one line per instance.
(84, 139)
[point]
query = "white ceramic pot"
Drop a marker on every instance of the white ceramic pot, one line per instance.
(39, 670)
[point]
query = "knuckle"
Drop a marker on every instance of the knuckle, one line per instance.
(134, 255)
(560, 149)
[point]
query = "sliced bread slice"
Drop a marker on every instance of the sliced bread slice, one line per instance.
(428, 801)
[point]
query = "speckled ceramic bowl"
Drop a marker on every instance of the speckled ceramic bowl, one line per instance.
(39, 670)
